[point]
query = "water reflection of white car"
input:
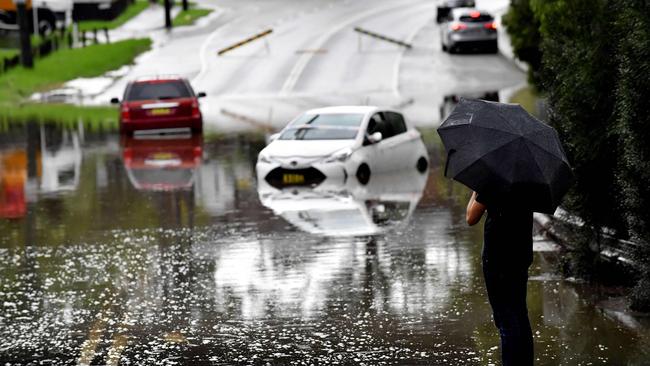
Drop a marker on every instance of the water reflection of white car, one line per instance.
(61, 158)
(349, 209)
(336, 143)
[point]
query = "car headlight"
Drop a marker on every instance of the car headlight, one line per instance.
(263, 158)
(340, 156)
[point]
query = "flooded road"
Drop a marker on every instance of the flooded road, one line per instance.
(106, 259)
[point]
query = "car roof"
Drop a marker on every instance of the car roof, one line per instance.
(344, 109)
(157, 79)
(458, 12)
(454, 2)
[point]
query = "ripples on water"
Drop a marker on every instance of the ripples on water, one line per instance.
(104, 267)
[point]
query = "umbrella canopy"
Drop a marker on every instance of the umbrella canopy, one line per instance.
(500, 150)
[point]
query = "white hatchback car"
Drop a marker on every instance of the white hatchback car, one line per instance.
(336, 143)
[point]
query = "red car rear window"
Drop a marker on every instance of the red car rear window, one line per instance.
(160, 90)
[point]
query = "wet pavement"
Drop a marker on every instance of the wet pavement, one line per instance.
(168, 252)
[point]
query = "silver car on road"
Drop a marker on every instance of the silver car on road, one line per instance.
(468, 28)
(446, 5)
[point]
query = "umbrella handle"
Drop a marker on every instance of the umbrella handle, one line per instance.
(448, 158)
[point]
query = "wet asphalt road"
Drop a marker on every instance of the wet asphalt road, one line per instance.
(100, 268)
(314, 58)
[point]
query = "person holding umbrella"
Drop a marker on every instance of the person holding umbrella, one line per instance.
(515, 164)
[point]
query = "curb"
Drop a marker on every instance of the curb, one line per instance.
(505, 46)
(610, 248)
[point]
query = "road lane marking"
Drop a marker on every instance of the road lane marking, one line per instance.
(400, 57)
(300, 66)
(89, 346)
(203, 52)
(120, 341)
(318, 50)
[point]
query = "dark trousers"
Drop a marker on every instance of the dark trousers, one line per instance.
(506, 287)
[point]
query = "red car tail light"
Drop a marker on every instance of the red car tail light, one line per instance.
(492, 25)
(125, 113)
(198, 154)
(127, 154)
(196, 111)
(458, 26)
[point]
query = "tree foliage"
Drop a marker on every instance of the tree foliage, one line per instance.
(595, 71)
(523, 27)
(633, 127)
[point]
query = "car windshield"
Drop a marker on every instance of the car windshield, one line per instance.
(158, 90)
(459, 3)
(340, 126)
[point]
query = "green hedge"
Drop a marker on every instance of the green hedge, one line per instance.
(523, 28)
(633, 128)
(594, 62)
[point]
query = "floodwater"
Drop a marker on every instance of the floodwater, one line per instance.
(164, 251)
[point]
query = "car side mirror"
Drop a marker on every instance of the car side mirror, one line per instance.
(201, 95)
(115, 101)
(375, 137)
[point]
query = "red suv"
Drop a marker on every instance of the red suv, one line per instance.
(160, 103)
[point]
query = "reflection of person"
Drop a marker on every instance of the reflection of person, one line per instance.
(507, 254)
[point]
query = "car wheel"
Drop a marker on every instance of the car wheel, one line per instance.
(5, 18)
(45, 28)
(422, 164)
(46, 23)
(444, 48)
(452, 48)
(363, 174)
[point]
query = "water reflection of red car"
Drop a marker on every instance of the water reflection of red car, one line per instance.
(162, 163)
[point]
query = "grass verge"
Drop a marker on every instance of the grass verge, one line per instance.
(52, 71)
(189, 16)
(528, 98)
(131, 11)
(8, 53)
(63, 114)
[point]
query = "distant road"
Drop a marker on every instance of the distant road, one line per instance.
(313, 58)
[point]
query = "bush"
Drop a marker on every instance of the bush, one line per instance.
(576, 73)
(594, 69)
(523, 28)
(633, 126)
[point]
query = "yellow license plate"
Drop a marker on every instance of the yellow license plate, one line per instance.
(164, 156)
(161, 111)
(293, 179)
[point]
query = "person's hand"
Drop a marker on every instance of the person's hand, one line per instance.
(474, 210)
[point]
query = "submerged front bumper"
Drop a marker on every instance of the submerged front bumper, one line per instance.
(284, 175)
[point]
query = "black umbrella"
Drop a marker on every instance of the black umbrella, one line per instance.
(499, 150)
